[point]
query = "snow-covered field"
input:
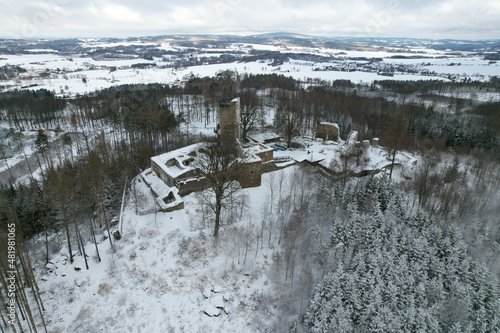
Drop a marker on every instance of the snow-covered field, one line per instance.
(67, 72)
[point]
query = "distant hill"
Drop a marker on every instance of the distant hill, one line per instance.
(146, 45)
(283, 34)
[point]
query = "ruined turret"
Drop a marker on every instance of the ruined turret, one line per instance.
(229, 122)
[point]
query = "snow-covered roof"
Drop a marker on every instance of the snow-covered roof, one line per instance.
(263, 137)
(256, 148)
(180, 156)
(161, 190)
(330, 124)
(251, 152)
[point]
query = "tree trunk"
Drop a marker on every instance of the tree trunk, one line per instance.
(393, 160)
(66, 228)
(46, 240)
(218, 209)
(93, 237)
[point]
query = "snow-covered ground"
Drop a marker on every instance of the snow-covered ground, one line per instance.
(166, 274)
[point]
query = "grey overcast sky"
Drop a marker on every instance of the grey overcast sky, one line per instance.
(467, 19)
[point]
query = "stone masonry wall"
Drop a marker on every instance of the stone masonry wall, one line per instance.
(327, 131)
(192, 185)
(229, 121)
(249, 174)
(266, 155)
(162, 174)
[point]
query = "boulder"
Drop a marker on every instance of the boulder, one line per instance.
(207, 292)
(210, 310)
(218, 301)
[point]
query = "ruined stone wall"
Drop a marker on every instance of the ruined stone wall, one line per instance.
(190, 174)
(169, 209)
(162, 174)
(327, 131)
(266, 155)
(249, 174)
(270, 167)
(192, 185)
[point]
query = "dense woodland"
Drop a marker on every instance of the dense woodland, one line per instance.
(417, 256)
(389, 270)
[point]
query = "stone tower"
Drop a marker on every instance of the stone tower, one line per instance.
(229, 121)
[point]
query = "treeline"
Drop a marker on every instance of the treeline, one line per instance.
(492, 56)
(26, 109)
(138, 115)
(489, 112)
(415, 127)
(212, 88)
(141, 124)
(430, 86)
(265, 81)
(69, 192)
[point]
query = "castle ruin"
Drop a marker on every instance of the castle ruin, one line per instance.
(177, 172)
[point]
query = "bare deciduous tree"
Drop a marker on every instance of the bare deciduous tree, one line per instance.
(216, 163)
(288, 117)
(249, 112)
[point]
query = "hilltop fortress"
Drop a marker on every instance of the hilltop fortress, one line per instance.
(174, 174)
